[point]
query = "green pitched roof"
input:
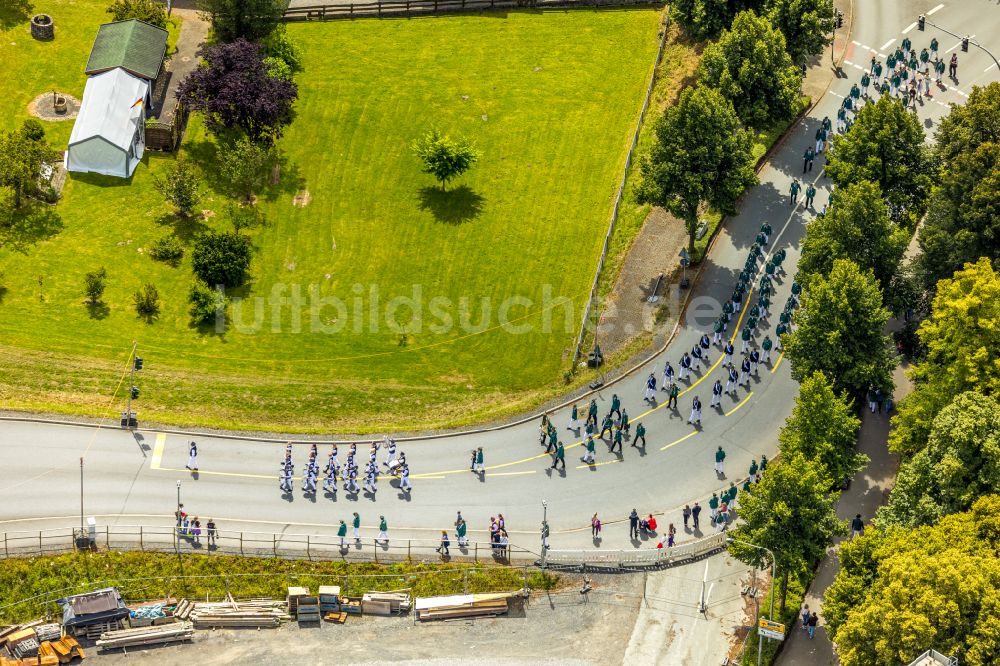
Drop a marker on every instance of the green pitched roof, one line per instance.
(136, 47)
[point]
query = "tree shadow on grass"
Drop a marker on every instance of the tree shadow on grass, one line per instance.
(99, 310)
(205, 154)
(14, 13)
(35, 222)
(456, 206)
(185, 228)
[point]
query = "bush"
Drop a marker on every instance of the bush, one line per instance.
(168, 249)
(149, 11)
(221, 258)
(33, 130)
(49, 194)
(147, 301)
(180, 188)
(94, 284)
(280, 46)
(245, 217)
(246, 165)
(205, 303)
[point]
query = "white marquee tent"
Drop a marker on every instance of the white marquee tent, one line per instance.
(109, 134)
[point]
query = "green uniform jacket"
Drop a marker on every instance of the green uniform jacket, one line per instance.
(357, 521)
(342, 530)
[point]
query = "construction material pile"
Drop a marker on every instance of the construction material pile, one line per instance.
(154, 635)
(385, 603)
(257, 613)
(462, 606)
(37, 644)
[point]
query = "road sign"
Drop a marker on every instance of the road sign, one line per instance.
(770, 629)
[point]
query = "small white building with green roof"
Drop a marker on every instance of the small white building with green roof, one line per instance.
(109, 133)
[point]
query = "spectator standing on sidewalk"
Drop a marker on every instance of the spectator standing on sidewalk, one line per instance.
(443, 548)
(695, 512)
(595, 527)
(633, 524)
(212, 533)
(857, 526)
(805, 616)
(342, 533)
(687, 515)
(813, 621)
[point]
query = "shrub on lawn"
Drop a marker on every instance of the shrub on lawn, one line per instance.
(245, 217)
(94, 284)
(443, 157)
(147, 301)
(221, 258)
(167, 249)
(32, 130)
(245, 165)
(180, 188)
(205, 303)
(149, 11)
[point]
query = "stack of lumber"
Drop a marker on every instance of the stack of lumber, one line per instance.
(244, 614)
(30, 661)
(48, 632)
(329, 598)
(294, 594)
(182, 610)
(167, 633)
(385, 603)
(65, 650)
(461, 606)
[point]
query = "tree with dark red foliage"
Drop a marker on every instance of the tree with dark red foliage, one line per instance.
(234, 89)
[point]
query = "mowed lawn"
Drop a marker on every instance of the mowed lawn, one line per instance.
(549, 98)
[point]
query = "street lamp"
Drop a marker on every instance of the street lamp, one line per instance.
(545, 529)
(760, 642)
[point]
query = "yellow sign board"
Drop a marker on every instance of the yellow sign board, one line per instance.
(771, 629)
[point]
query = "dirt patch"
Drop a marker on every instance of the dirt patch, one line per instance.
(628, 310)
(43, 107)
(302, 199)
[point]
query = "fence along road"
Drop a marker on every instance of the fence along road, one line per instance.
(308, 10)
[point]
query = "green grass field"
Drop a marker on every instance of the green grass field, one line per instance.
(550, 98)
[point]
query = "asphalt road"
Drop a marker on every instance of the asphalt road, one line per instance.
(131, 480)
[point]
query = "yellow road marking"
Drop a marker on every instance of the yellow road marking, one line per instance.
(777, 363)
(742, 402)
(161, 440)
(690, 434)
(606, 462)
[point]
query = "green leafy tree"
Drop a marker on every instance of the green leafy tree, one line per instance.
(279, 45)
(898, 593)
(823, 428)
(750, 67)
(963, 217)
(443, 157)
(21, 159)
(147, 301)
(181, 188)
(246, 165)
(886, 146)
(806, 24)
(839, 331)
(856, 226)
(705, 19)
(245, 217)
(149, 11)
(960, 463)
(961, 338)
(971, 124)
(222, 258)
(94, 284)
(167, 249)
(701, 155)
(206, 304)
(790, 512)
(253, 20)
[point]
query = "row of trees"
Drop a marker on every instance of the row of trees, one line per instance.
(926, 574)
(703, 152)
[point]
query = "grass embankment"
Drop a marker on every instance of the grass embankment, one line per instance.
(142, 576)
(550, 98)
(790, 618)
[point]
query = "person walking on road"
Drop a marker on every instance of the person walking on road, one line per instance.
(732, 381)
(720, 459)
(616, 405)
(460, 530)
(595, 527)
(650, 388)
(766, 346)
(713, 505)
(592, 413)
(607, 426)
(810, 195)
(357, 526)
(574, 420)
(717, 394)
(383, 531)
(695, 412)
(953, 66)
(687, 516)
(342, 533)
(793, 192)
(480, 467)
(192, 457)
(617, 441)
(805, 617)
(443, 548)
(633, 525)
(857, 526)
(807, 160)
(813, 621)
(672, 397)
(559, 457)
(589, 456)
(543, 430)
(640, 433)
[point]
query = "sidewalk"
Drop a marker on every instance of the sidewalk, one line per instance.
(869, 488)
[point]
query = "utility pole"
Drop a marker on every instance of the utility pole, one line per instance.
(177, 517)
(545, 530)
(128, 417)
(83, 531)
(760, 637)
